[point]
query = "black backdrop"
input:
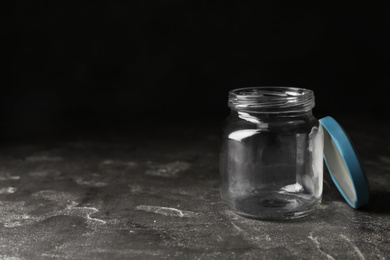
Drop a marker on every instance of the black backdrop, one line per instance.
(117, 62)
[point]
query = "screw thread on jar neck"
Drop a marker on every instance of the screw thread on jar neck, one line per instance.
(271, 100)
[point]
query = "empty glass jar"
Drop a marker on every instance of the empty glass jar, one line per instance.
(271, 158)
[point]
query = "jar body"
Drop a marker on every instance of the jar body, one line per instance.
(271, 164)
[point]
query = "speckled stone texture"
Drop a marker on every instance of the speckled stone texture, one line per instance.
(154, 194)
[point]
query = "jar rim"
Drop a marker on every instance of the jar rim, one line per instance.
(271, 99)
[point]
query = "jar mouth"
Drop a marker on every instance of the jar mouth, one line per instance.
(271, 99)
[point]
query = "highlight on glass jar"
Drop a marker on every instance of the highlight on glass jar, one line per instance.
(271, 159)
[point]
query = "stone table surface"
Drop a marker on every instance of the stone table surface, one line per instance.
(154, 194)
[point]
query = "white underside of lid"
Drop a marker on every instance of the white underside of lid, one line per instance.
(337, 167)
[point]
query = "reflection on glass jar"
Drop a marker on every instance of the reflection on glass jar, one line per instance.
(271, 156)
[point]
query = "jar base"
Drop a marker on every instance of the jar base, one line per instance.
(275, 206)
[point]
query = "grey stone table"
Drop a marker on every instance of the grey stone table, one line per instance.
(154, 194)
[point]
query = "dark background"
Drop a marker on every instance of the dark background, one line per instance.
(69, 67)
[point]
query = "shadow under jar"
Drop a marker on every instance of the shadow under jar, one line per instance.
(271, 159)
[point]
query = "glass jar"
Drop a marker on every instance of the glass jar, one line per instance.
(271, 159)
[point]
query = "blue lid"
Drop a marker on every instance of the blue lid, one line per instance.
(343, 164)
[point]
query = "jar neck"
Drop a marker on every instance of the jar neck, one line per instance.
(272, 100)
(255, 117)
